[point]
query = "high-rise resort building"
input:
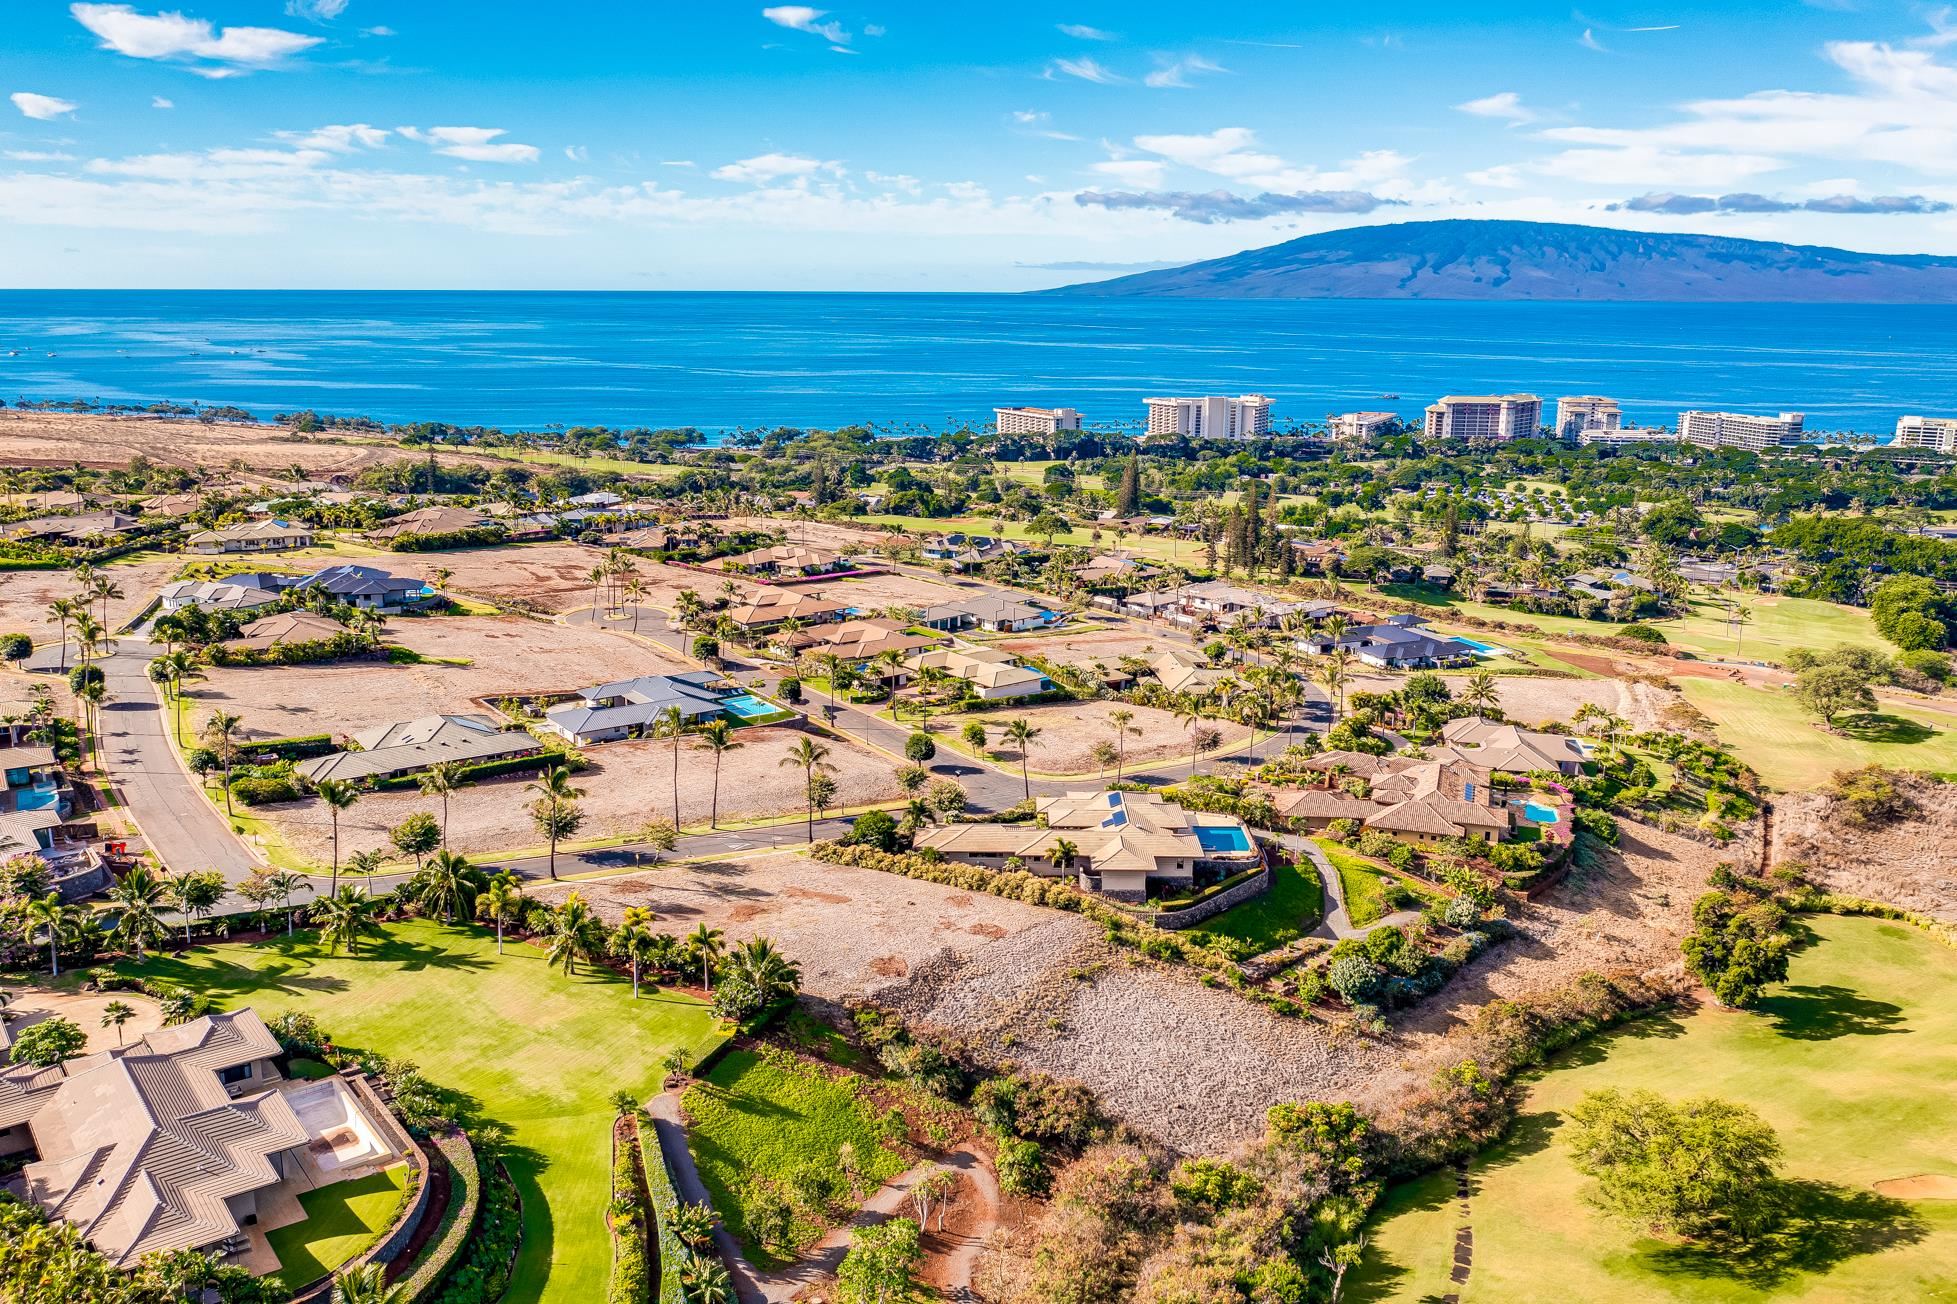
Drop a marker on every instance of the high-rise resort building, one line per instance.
(1035, 421)
(1938, 434)
(1213, 417)
(1740, 430)
(1359, 425)
(1485, 416)
(1577, 412)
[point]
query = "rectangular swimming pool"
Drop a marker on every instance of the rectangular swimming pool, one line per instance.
(747, 706)
(1222, 839)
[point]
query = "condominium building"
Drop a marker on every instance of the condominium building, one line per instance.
(1484, 416)
(1577, 412)
(1035, 420)
(1939, 434)
(1214, 417)
(1740, 430)
(1359, 425)
(1623, 436)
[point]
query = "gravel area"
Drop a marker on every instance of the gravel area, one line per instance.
(1532, 700)
(1069, 730)
(1911, 862)
(25, 595)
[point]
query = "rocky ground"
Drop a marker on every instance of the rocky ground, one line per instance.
(1911, 862)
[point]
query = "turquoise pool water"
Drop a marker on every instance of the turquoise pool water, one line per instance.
(1222, 839)
(36, 799)
(747, 706)
(1539, 813)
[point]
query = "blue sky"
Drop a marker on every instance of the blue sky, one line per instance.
(662, 145)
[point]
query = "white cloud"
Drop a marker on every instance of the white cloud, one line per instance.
(344, 139)
(1589, 41)
(1506, 105)
(1036, 123)
(1082, 32)
(214, 52)
(801, 18)
(576, 153)
(158, 102)
(678, 163)
(1086, 70)
(377, 31)
(763, 168)
(318, 11)
(1647, 165)
(908, 184)
(42, 108)
(874, 29)
(1144, 172)
(1175, 72)
(39, 156)
(1505, 176)
(476, 144)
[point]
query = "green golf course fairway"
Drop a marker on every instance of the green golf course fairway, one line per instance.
(539, 1052)
(1853, 1061)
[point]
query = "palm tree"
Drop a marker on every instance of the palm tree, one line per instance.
(669, 723)
(705, 943)
(554, 795)
(1479, 694)
(1742, 617)
(1122, 721)
(366, 864)
(499, 903)
(1333, 669)
(63, 611)
(195, 893)
(771, 975)
(115, 1014)
(809, 756)
(572, 926)
(1021, 733)
(285, 884)
(717, 736)
(447, 885)
(633, 940)
(1062, 855)
(345, 918)
(439, 780)
(338, 795)
(366, 1284)
(47, 913)
(219, 730)
(177, 667)
(136, 897)
(92, 694)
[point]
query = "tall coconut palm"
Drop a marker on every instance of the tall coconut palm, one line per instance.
(1021, 733)
(717, 736)
(136, 896)
(1333, 670)
(195, 893)
(179, 667)
(1122, 721)
(705, 943)
(47, 914)
(555, 798)
(632, 942)
(1479, 694)
(669, 723)
(573, 929)
(439, 780)
(768, 973)
(63, 611)
(808, 756)
(286, 884)
(347, 918)
(338, 795)
(499, 903)
(220, 730)
(447, 885)
(91, 695)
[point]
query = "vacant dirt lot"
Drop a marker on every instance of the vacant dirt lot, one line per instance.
(886, 591)
(1069, 730)
(1106, 647)
(818, 534)
(626, 785)
(25, 594)
(31, 1005)
(856, 932)
(1911, 862)
(551, 577)
(508, 654)
(1529, 700)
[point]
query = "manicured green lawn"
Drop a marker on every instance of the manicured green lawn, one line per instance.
(1363, 885)
(538, 1052)
(341, 1221)
(1851, 1061)
(1292, 908)
(769, 1113)
(1769, 730)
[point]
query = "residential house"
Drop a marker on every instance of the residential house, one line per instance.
(989, 612)
(760, 612)
(31, 780)
(858, 640)
(70, 529)
(993, 674)
(174, 506)
(389, 751)
(1509, 749)
(365, 586)
(1108, 571)
(628, 708)
(253, 536)
(285, 628)
(1318, 557)
(1184, 672)
(1706, 571)
(240, 592)
(1424, 802)
(967, 552)
(1126, 844)
(1400, 643)
(428, 521)
(786, 559)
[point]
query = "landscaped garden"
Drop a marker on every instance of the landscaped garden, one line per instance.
(1850, 1062)
(1371, 893)
(786, 1146)
(342, 1220)
(1290, 909)
(533, 1050)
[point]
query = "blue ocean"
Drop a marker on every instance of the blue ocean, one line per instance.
(923, 363)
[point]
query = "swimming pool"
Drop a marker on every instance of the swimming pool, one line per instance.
(1540, 814)
(37, 799)
(1486, 649)
(1222, 839)
(747, 706)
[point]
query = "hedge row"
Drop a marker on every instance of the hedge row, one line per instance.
(458, 1219)
(483, 537)
(665, 1207)
(295, 749)
(484, 1273)
(631, 1281)
(486, 770)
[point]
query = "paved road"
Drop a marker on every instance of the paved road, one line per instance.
(181, 826)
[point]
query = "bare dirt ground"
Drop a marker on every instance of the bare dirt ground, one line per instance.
(30, 1005)
(1911, 862)
(553, 577)
(1069, 730)
(819, 534)
(25, 594)
(1104, 646)
(626, 785)
(1530, 700)
(508, 654)
(884, 591)
(856, 932)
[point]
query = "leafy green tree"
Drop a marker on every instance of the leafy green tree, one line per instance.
(1701, 1167)
(874, 828)
(1910, 612)
(416, 836)
(49, 1042)
(1738, 947)
(881, 1265)
(920, 748)
(1833, 689)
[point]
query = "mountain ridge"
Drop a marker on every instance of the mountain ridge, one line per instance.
(1498, 261)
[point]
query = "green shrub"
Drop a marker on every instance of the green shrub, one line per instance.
(1022, 1168)
(254, 790)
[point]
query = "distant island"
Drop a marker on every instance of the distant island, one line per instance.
(1498, 261)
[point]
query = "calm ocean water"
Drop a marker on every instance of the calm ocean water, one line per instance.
(921, 363)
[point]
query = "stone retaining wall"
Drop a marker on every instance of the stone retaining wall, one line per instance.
(1190, 916)
(390, 1246)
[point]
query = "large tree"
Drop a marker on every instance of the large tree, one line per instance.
(1701, 1167)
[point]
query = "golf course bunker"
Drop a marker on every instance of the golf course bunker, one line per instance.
(1924, 1186)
